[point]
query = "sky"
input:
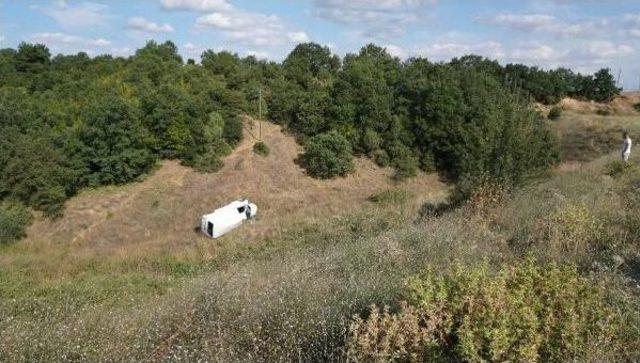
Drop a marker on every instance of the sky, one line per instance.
(584, 35)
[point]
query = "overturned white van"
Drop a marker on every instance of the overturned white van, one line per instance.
(227, 218)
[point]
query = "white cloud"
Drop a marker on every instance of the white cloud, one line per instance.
(298, 37)
(250, 28)
(2, 38)
(632, 18)
(141, 24)
(258, 54)
(68, 43)
(78, 15)
(635, 32)
(447, 50)
(396, 51)
(536, 54)
(545, 23)
(521, 21)
(377, 19)
(121, 51)
(606, 49)
(54, 39)
(197, 5)
(101, 42)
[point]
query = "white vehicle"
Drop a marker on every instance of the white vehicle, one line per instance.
(227, 218)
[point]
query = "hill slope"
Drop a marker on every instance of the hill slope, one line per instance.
(159, 214)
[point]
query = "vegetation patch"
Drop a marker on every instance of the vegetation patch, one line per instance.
(555, 113)
(572, 229)
(391, 196)
(328, 155)
(526, 312)
(14, 220)
(617, 168)
(261, 148)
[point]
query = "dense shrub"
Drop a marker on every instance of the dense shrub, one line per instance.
(523, 313)
(114, 143)
(232, 131)
(14, 219)
(572, 229)
(381, 158)
(637, 106)
(328, 155)
(554, 113)
(404, 161)
(261, 148)
(207, 163)
(477, 130)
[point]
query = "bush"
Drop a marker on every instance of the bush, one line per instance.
(14, 219)
(207, 163)
(261, 148)
(232, 131)
(370, 141)
(391, 196)
(573, 228)
(403, 160)
(328, 155)
(406, 167)
(637, 106)
(381, 158)
(617, 168)
(554, 113)
(523, 313)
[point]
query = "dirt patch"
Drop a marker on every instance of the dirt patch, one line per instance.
(161, 213)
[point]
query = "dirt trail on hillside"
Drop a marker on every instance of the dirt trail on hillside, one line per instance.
(162, 212)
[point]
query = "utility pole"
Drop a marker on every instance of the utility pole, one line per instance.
(619, 75)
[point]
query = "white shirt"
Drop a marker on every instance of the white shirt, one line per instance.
(626, 146)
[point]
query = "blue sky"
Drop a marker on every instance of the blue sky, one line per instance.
(581, 34)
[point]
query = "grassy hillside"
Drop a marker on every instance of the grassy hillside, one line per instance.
(287, 286)
(589, 130)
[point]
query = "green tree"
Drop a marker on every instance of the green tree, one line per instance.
(604, 86)
(32, 58)
(34, 171)
(114, 142)
(328, 155)
(309, 61)
(14, 220)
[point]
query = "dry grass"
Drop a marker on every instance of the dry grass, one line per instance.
(140, 284)
(157, 217)
(585, 137)
(622, 105)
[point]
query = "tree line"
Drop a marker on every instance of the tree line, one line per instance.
(72, 121)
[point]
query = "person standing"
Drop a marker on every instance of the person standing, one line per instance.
(626, 147)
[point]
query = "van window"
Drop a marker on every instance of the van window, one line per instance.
(241, 210)
(210, 229)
